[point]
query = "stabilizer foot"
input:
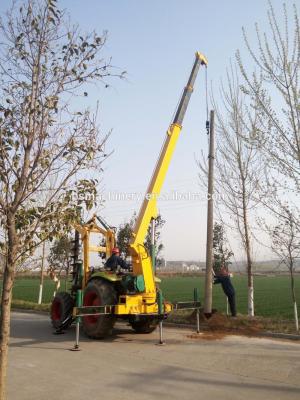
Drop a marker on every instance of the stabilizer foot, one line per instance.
(59, 332)
(75, 348)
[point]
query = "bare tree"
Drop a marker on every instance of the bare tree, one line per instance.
(238, 167)
(45, 65)
(285, 236)
(273, 89)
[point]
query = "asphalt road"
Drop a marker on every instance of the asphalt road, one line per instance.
(131, 366)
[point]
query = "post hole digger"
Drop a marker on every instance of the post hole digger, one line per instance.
(64, 302)
(101, 297)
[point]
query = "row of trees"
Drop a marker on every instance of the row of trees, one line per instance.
(258, 145)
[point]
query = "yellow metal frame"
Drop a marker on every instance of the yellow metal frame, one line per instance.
(135, 304)
(85, 231)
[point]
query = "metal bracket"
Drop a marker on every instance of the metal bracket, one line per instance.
(85, 311)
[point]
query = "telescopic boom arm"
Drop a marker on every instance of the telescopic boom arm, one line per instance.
(140, 259)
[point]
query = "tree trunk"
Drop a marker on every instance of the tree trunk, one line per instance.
(5, 329)
(8, 281)
(248, 255)
(250, 295)
(294, 298)
(42, 275)
(296, 316)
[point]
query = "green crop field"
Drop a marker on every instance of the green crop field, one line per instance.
(27, 289)
(271, 293)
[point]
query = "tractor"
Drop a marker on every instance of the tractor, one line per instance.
(102, 297)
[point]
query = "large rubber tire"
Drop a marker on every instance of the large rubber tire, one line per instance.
(61, 310)
(144, 324)
(97, 293)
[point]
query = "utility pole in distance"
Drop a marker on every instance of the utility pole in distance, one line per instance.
(210, 220)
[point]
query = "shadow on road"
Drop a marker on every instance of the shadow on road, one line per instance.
(37, 332)
(150, 382)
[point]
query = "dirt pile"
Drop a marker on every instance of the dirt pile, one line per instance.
(240, 325)
(208, 335)
(219, 325)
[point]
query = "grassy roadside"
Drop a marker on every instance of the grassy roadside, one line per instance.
(242, 324)
(30, 306)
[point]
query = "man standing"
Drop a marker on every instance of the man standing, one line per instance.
(223, 277)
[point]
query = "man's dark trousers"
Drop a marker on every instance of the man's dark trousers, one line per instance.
(229, 291)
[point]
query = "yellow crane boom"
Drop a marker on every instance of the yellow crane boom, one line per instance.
(141, 260)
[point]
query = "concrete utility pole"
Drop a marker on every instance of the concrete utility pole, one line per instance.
(210, 220)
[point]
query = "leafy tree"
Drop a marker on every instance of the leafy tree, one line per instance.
(222, 254)
(159, 223)
(45, 65)
(124, 235)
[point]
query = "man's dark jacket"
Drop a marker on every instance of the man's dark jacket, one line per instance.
(114, 261)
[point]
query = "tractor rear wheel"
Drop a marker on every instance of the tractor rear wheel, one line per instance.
(61, 310)
(144, 324)
(99, 293)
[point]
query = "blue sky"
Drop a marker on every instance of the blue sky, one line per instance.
(155, 42)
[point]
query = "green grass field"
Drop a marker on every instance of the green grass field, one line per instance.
(272, 294)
